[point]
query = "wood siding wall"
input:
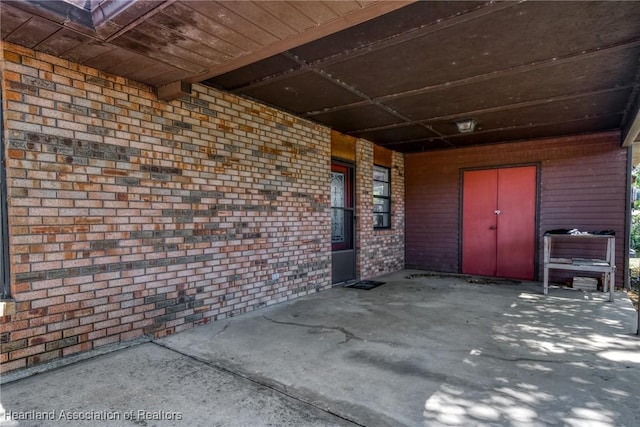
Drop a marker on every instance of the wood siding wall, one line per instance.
(582, 185)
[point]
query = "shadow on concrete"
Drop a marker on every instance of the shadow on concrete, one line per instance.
(567, 358)
(420, 350)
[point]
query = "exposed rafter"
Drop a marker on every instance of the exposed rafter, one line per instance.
(631, 133)
(631, 119)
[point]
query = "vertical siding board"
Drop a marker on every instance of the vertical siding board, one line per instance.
(432, 231)
(582, 185)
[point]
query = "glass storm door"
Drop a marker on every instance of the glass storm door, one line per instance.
(343, 260)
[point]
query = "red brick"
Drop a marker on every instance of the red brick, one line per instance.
(25, 352)
(81, 296)
(77, 331)
(118, 329)
(92, 336)
(79, 212)
(43, 357)
(10, 326)
(33, 295)
(13, 365)
(105, 341)
(41, 339)
(63, 308)
(63, 325)
(85, 346)
(26, 333)
(78, 313)
(47, 302)
(131, 335)
(66, 290)
(38, 312)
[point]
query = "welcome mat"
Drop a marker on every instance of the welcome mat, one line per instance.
(365, 284)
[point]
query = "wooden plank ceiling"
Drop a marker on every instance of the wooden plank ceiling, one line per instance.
(397, 73)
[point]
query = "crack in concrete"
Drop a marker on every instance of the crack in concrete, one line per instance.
(348, 336)
(528, 359)
(224, 328)
(351, 336)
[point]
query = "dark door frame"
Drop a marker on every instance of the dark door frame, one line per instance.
(336, 249)
(5, 275)
(536, 249)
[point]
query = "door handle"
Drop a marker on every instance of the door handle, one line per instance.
(497, 211)
(493, 227)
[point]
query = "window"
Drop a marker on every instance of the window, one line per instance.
(381, 197)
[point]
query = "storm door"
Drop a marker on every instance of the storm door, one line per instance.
(343, 256)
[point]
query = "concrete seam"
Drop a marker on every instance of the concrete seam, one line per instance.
(255, 381)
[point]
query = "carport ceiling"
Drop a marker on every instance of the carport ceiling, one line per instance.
(397, 73)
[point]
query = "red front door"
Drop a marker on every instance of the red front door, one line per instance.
(498, 222)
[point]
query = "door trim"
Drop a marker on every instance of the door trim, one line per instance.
(537, 243)
(343, 253)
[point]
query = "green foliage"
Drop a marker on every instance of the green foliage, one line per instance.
(635, 213)
(635, 175)
(635, 230)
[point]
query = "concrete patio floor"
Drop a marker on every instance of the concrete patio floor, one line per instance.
(420, 350)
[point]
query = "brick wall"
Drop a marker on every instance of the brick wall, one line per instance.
(132, 216)
(378, 251)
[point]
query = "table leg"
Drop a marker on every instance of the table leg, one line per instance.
(612, 285)
(546, 281)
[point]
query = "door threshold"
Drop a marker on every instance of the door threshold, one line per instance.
(344, 283)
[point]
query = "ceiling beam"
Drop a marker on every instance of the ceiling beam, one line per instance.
(631, 120)
(174, 90)
(489, 131)
(537, 125)
(496, 109)
(356, 17)
(631, 130)
(505, 72)
(582, 138)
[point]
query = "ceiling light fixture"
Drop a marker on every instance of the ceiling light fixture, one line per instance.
(466, 125)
